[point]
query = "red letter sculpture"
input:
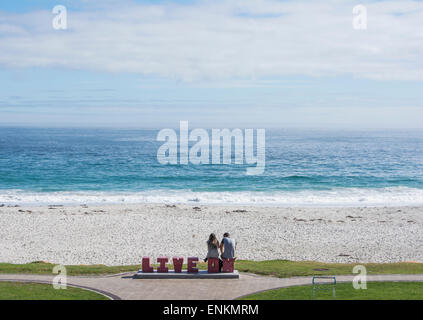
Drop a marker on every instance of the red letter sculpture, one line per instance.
(228, 265)
(213, 266)
(146, 265)
(177, 264)
(162, 261)
(192, 263)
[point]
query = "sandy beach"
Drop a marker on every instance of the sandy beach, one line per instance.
(122, 234)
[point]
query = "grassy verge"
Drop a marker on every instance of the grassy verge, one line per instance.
(74, 270)
(37, 291)
(277, 268)
(345, 291)
(285, 268)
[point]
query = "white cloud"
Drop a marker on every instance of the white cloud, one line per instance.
(224, 40)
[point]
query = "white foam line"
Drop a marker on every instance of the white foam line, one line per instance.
(345, 197)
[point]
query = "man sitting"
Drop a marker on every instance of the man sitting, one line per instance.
(227, 247)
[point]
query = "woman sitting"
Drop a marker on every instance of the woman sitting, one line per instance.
(212, 250)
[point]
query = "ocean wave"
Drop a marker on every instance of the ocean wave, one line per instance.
(392, 196)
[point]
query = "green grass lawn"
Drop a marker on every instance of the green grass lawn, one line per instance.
(277, 268)
(285, 268)
(345, 291)
(74, 270)
(37, 291)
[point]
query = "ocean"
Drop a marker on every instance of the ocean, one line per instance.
(303, 168)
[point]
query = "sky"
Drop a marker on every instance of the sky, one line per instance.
(220, 63)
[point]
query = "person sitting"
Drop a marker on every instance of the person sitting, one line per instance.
(212, 250)
(227, 247)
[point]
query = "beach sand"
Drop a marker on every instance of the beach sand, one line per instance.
(122, 234)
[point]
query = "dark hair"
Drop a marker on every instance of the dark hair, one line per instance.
(226, 235)
(213, 240)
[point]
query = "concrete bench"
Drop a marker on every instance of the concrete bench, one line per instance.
(162, 272)
(202, 274)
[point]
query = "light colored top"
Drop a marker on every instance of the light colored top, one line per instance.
(228, 248)
(212, 251)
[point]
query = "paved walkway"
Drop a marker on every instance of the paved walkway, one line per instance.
(123, 286)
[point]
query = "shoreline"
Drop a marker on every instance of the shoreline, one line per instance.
(211, 204)
(122, 234)
(399, 196)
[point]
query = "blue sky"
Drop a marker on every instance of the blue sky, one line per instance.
(223, 63)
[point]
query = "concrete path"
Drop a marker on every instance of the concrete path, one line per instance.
(123, 286)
